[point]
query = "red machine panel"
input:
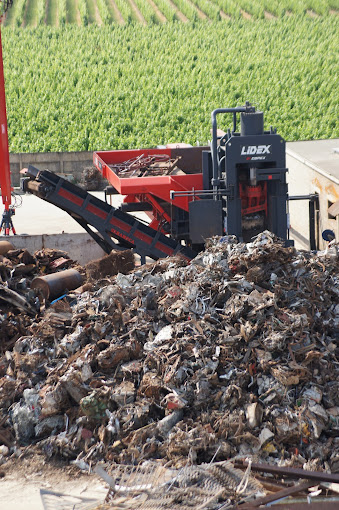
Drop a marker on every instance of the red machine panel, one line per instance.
(158, 186)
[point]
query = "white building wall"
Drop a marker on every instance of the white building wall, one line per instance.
(305, 178)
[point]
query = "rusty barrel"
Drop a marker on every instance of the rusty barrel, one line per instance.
(54, 285)
(5, 246)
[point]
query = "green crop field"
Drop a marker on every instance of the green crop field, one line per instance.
(138, 81)
(32, 13)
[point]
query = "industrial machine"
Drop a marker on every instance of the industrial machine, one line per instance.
(237, 186)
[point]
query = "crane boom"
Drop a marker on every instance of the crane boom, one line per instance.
(5, 173)
(5, 178)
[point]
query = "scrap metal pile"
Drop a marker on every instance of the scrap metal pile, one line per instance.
(145, 166)
(234, 354)
(91, 179)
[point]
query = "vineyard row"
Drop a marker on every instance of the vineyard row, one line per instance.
(32, 13)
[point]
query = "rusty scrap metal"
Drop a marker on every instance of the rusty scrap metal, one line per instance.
(5, 246)
(316, 476)
(142, 166)
(54, 285)
(231, 355)
(197, 487)
(315, 505)
(277, 496)
(14, 298)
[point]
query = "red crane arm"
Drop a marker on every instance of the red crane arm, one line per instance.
(5, 175)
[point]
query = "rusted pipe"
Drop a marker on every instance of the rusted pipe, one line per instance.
(316, 476)
(54, 285)
(5, 246)
(277, 496)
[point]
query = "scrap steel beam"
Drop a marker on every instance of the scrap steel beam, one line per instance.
(317, 476)
(320, 505)
(277, 496)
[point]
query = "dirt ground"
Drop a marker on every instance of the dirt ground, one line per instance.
(22, 479)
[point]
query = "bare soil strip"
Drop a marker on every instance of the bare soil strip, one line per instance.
(78, 17)
(72, 12)
(52, 13)
(56, 17)
(289, 13)
(24, 21)
(201, 14)
(312, 13)
(57, 20)
(180, 15)
(137, 13)
(223, 15)
(269, 15)
(334, 12)
(98, 19)
(245, 14)
(157, 11)
(48, 5)
(117, 14)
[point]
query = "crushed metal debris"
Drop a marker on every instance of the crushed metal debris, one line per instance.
(233, 355)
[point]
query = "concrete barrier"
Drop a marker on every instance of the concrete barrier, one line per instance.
(80, 247)
(68, 164)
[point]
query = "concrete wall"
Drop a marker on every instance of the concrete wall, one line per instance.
(80, 247)
(303, 180)
(68, 164)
